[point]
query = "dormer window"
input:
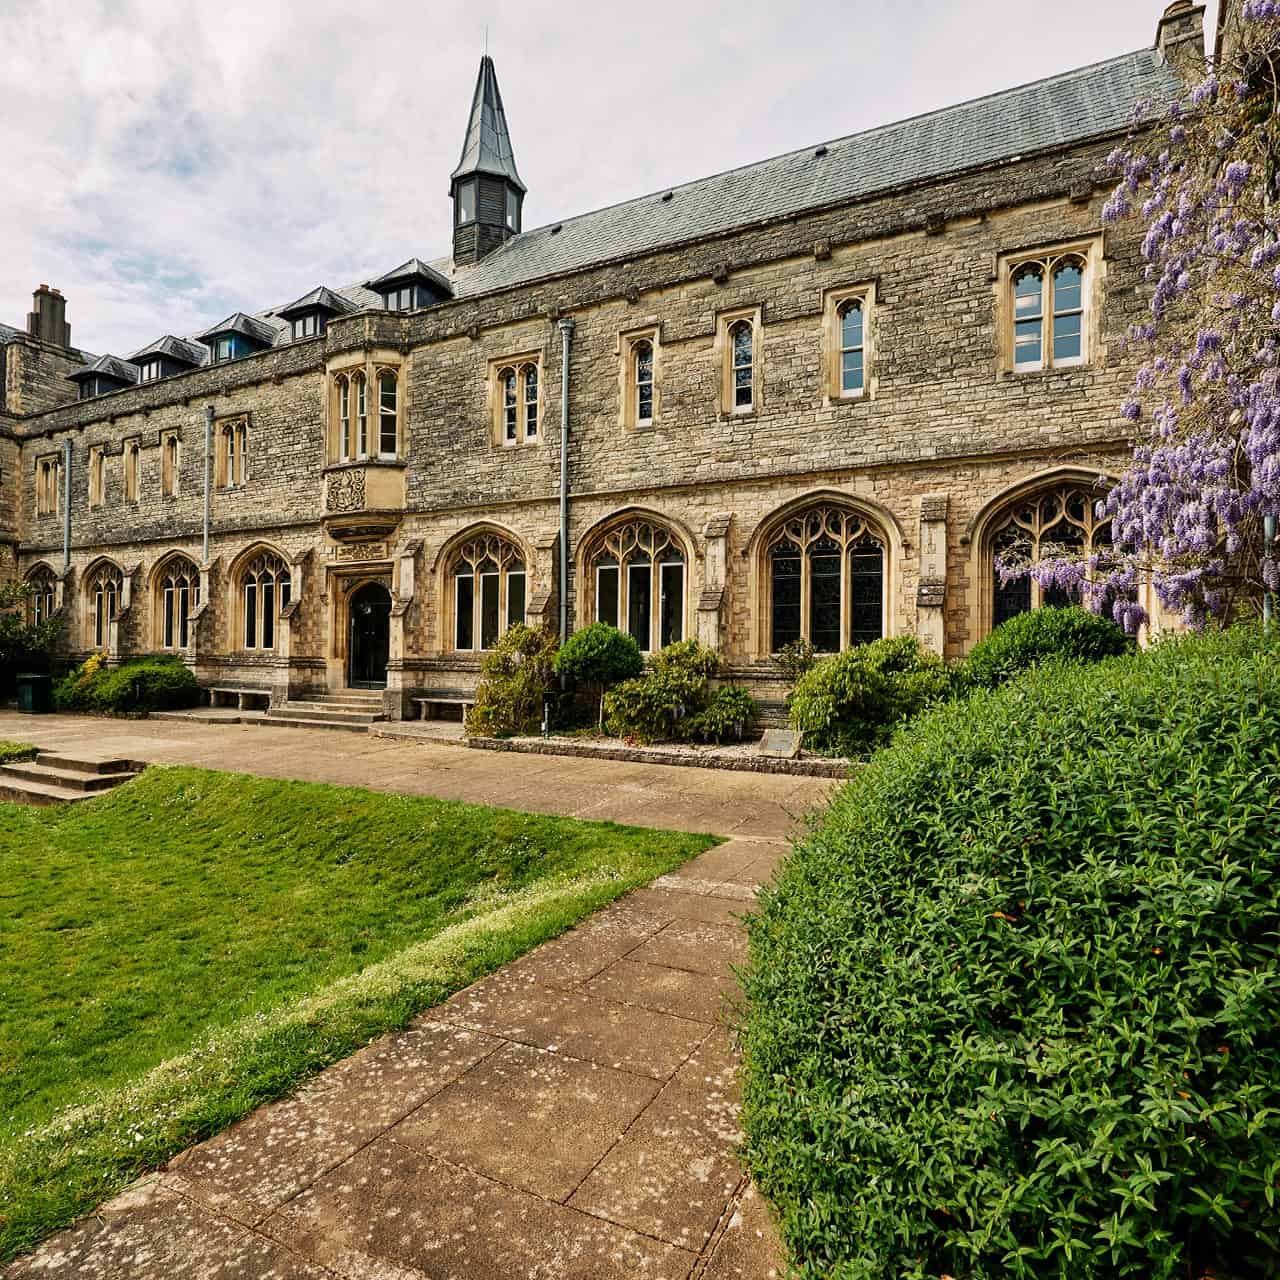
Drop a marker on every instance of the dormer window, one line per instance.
(237, 336)
(311, 325)
(225, 349)
(150, 370)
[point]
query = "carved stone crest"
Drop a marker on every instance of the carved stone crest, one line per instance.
(362, 551)
(345, 491)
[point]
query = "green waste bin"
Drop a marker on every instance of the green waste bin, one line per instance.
(35, 694)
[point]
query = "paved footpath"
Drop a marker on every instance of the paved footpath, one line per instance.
(572, 1115)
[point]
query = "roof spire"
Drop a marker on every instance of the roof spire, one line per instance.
(487, 148)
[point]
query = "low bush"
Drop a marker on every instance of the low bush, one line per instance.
(11, 752)
(849, 704)
(673, 700)
(596, 658)
(136, 687)
(1043, 635)
(1012, 1004)
(515, 679)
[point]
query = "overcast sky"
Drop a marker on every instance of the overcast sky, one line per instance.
(168, 163)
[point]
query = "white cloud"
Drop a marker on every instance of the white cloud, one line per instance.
(170, 162)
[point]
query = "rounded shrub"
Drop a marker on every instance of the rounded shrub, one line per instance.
(729, 716)
(515, 679)
(849, 704)
(1012, 1004)
(597, 657)
(133, 688)
(662, 704)
(1073, 634)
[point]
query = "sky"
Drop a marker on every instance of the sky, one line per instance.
(170, 162)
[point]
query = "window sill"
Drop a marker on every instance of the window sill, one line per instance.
(1045, 371)
(363, 462)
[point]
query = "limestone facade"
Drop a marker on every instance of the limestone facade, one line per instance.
(944, 435)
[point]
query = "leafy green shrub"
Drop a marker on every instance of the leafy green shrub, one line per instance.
(514, 681)
(24, 646)
(137, 686)
(657, 706)
(14, 751)
(1042, 635)
(849, 704)
(597, 657)
(1012, 1005)
(796, 659)
(728, 717)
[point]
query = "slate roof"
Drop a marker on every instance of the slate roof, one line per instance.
(108, 367)
(8, 332)
(260, 330)
(319, 299)
(487, 146)
(414, 269)
(1060, 111)
(192, 353)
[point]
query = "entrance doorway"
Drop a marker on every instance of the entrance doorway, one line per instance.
(369, 637)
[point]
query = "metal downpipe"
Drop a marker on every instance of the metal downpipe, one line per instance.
(208, 478)
(566, 337)
(66, 504)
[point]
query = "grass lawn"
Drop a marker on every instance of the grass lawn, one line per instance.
(184, 948)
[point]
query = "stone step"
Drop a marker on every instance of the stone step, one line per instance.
(355, 700)
(68, 779)
(319, 711)
(282, 719)
(21, 791)
(78, 765)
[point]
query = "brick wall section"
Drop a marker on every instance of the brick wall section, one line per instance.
(942, 420)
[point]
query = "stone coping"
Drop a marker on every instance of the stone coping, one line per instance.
(685, 757)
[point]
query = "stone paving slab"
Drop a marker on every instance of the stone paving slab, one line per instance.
(749, 1248)
(392, 1205)
(689, 944)
(697, 996)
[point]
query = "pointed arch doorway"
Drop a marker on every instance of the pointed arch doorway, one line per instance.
(368, 636)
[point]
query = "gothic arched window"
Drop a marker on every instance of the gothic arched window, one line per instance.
(637, 575)
(177, 595)
(41, 602)
(742, 371)
(826, 571)
(103, 590)
(264, 591)
(489, 590)
(1040, 526)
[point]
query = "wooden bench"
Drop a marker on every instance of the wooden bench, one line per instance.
(223, 695)
(442, 698)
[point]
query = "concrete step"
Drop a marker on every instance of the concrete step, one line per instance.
(54, 760)
(68, 779)
(354, 701)
(282, 719)
(319, 711)
(21, 791)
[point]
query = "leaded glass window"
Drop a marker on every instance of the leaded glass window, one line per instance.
(489, 591)
(103, 589)
(265, 587)
(178, 593)
(742, 344)
(638, 572)
(826, 580)
(40, 603)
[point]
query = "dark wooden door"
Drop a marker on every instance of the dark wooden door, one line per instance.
(370, 637)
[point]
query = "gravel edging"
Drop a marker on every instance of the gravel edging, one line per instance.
(811, 768)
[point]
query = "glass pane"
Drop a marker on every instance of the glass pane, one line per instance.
(824, 603)
(1067, 283)
(1011, 599)
(184, 600)
(268, 613)
(168, 617)
(251, 615)
(851, 371)
(786, 601)
(515, 598)
(489, 622)
(1026, 290)
(866, 585)
(742, 344)
(1067, 348)
(464, 598)
(607, 594)
(644, 362)
(851, 326)
(639, 603)
(644, 402)
(671, 623)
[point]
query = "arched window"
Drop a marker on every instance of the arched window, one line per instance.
(529, 377)
(361, 389)
(264, 592)
(1038, 527)
(742, 344)
(177, 595)
(642, 381)
(489, 590)
(41, 602)
(102, 589)
(517, 389)
(826, 571)
(852, 348)
(1049, 312)
(637, 574)
(388, 414)
(346, 442)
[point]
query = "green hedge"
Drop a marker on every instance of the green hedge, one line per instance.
(10, 752)
(136, 687)
(1043, 635)
(849, 704)
(1013, 1004)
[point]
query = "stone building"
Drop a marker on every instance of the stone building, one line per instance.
(811, 397)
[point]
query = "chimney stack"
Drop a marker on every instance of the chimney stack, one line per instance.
(1180, 39)
(47, 319)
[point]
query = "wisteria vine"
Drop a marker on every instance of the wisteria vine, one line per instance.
(1188, 513)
